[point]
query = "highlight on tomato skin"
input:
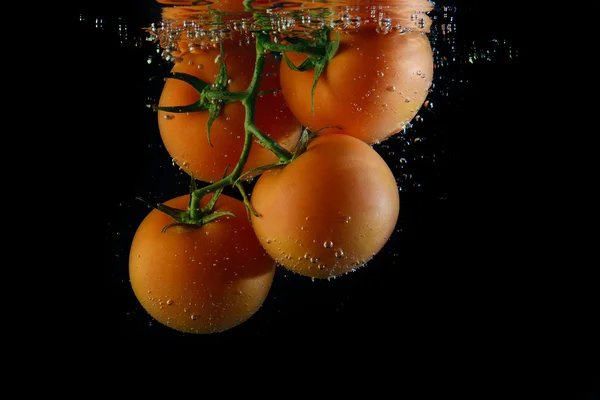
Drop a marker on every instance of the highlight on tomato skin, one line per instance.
(329, 211)
(185, 135)
(372, 88)
(200, 280)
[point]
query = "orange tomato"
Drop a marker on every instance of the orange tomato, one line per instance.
(200, 279)
(330, 210)
(185, 134)
(371, 89)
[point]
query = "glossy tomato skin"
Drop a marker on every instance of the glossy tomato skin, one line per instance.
(200, 280)
(371, 89)
(185, 135)
(330, 210)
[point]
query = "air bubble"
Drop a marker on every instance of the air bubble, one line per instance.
(328, 244)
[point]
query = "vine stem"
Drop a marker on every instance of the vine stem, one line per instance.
(248, 99)
(249, 103)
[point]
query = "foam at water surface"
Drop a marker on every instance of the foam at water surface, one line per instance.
(202, 24)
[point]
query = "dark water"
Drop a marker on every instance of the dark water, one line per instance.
(464, 268)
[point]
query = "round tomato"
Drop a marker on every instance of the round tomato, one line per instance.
(329, 211)
(371, 88)
(185, 135)
(200, 279)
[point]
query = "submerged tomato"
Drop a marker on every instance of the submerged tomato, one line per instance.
(200, 279)
(330, 210)
(371, 89)
(185, 135)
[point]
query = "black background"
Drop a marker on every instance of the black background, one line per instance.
(476, 266)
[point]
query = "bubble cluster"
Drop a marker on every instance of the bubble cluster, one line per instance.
(197, 27)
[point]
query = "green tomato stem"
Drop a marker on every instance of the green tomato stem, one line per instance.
(194, 207)
(195, 213)
(250, 103)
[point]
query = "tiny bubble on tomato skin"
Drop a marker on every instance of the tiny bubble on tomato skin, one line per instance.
(328, 244)
(169, 302)
(339, 253)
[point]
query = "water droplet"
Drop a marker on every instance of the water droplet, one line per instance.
(169, 302)
(328, 244)
(194, 317)
(314, 260)
(169, 116)
(339, 253)
(321, 267)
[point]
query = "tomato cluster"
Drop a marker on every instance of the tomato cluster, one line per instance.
(324, 202)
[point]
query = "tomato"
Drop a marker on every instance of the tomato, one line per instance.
(200, 279)
(185, 134)
(330, 210)
(371, 89)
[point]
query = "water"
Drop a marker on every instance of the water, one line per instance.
(419, 281)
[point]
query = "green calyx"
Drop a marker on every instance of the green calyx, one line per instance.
(193, 216)
(319, 53)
